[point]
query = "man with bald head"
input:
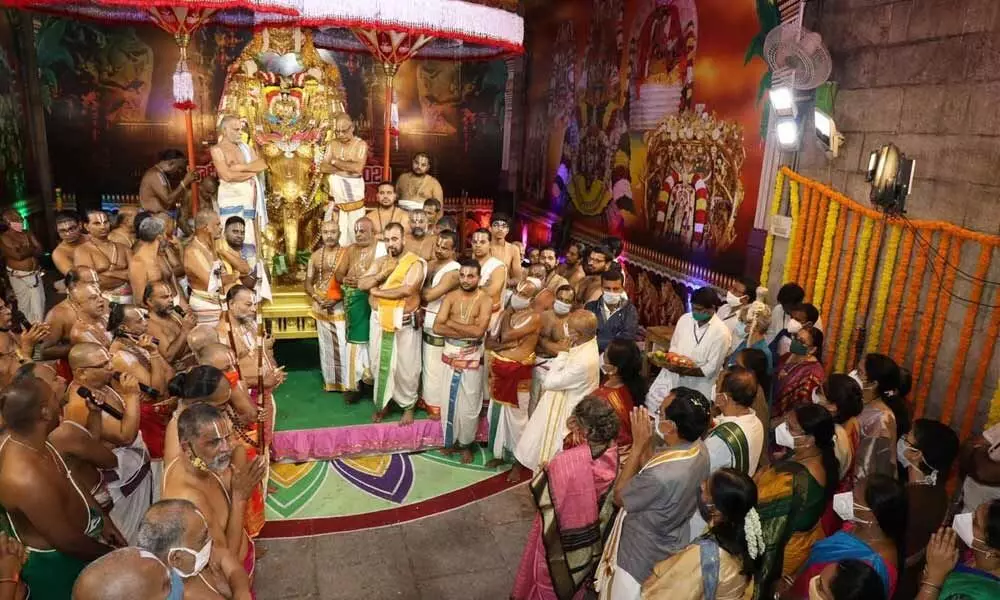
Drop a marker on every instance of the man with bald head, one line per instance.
(241, 185)
(176, 533)
(91, 316)
(127, 574)
(322, 288)
(344, 162)
(170, 327)
(572, 375)
(203, 268)
(200, 337)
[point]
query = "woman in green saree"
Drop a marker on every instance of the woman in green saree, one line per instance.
(943, 580)
(792, 495)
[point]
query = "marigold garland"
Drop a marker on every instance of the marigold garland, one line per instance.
(793, 247)
(927, 321)
(923, 384)
(992, 333)
(896, 295)
(811, 210)
(837, 319)
(900, 347)
(823, 268)
(994, 414)
(866, 290)
(840, 223)
(882, 294)
(854, 294)
(965, 342)
(815, 247)
(765, 265)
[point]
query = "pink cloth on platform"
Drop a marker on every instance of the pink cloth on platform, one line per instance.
(576, 483)
(357, 440)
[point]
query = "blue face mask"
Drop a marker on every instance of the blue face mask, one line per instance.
(176, 586)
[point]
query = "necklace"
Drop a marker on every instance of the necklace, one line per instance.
(113, 258)
(23, 445)
(464, 308)
(211, 252)
(322, 264)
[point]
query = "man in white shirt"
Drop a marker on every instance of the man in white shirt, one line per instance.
(741, 293)
(700, 336)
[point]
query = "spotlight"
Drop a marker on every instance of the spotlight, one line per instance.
(788, 133)
(891, 176)
(782, 100)
(826, 131)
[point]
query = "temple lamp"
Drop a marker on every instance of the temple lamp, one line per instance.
(891, 174)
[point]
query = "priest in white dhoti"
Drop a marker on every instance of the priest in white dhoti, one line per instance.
(345, 163)
(698, 350)
(328, 309)
(394, 282)
(572, 375)
(241, 183)
(442, 278)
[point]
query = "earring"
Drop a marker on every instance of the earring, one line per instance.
(199, 464)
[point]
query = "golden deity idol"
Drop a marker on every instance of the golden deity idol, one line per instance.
(287, 95)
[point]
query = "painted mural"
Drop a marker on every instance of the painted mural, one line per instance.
(644, 121)
(108, 99)
(13, 124)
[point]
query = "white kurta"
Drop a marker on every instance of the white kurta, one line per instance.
(434, 389)
(707, 346)
(572, 375)
(731, 317)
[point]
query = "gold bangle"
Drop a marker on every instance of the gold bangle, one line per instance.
(929, 584)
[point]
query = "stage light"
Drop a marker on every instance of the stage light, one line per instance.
(788, 134)
(826, 132)
(782, 100)
(891, 176)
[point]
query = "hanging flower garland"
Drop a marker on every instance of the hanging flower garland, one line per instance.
(900, 347)
(765, 265)
(923, 385)
(992, 333)
(809, 211)
(823, 266)
(927, 321)
(896, 294)
(994, 414)
(837, 319)
(866, 290)
(853, 294)
(839, 227)
(965, 342)
(882, 295)
(793, 245)
(816, 245)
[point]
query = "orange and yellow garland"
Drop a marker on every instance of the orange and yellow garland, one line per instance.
(853, 295)
(765, 265)
(815, 254)
(837, 312)
(896, 296)
(930, 312)
(882, 294)
(965, 342)
(923, 384)
(794, 241)
(866, 292)
(840, 226)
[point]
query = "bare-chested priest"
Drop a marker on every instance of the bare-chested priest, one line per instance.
(109, 259)
(420, 240)
(91, 325)
(387, 211)
(551, 339)
(149, 264)
(345, 163)
(328, 308)
(442, 277)
(204, 268)
(418, 184)
(71, 234)
(168, 326)
(493, 277)
(572, 266)
(62, 317)
(21, 250)
(156, 195)
(509, 254)
(241, 189)
(462, 322)
(510, 361)
(124, 229)
(393, 283)
(16, 349)
(589, 289)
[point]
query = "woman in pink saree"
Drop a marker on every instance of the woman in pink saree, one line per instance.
(572, 493)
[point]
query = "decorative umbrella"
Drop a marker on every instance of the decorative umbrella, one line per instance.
(394, 32)
(180, 18)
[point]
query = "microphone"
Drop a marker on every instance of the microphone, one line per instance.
(111, 410)
(135, 338)
(178, 310)
(145, 389)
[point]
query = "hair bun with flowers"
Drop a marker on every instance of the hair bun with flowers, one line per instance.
(754, 534)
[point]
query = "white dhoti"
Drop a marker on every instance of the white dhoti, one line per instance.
(509, 394)
(30, 293)
(537, 376)
(543, 436)
(395, 359)
(120, 295)
(331, 329)
(434, 390)
(207, 307)
(244, 199)
(348, 195)
(461, 389)
(131, 487)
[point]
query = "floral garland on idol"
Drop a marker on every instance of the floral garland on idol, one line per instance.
(922, 385)
(797, 227)
(854, 294)
(927, 321)
(882, 294)
(840, 299)
(866, 290)
(765, 265)
(896, 294)
(823, 268)
(965, 342)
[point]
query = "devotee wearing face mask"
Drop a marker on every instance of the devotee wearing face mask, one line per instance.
(733, 542)
(703, 338)
(877, 509)
(551, 339)
(20, 251)
(793, 494)
(565, 495)
(572, 375)
(841, 397)
(979, 530)
(126, 574)
(749, 330)
(980, 461)
(617, 318)
(789, 295)
(442, 277)
(799, 373)
(461, 323)
(657, 490)
(42, 506)
(545, 297)
(176, 534)
(741, 293)
(216, 477)
(798, 317)
(599, 260)
(884, 418)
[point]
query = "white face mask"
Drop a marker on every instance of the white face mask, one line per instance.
(962, 524)
(857, 377)
(605, 367)
(612, 298)
(561, 308)
(200, 558)
(740, 331)
(519, 303)
(793, 326)
(844, 506)
(817, 396)
(783, 436)
(656, 424)
(814, 589)
(733, 300)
